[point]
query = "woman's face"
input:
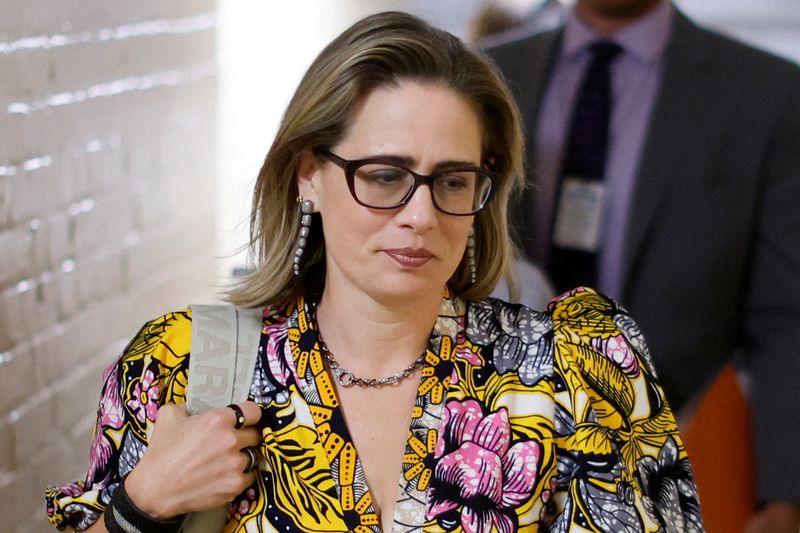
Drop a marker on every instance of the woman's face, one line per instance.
(410, 251)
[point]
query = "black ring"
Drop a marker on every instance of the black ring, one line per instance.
(252, 459)
(239, 415)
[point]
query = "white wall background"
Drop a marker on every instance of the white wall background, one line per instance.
(263, 50)
(104, 127)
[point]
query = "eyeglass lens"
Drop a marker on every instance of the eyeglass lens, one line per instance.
(385, 186)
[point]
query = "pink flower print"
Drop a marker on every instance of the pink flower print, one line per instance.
(145, 398)
(619, 351)
(469, 356)
(110, 412)
(110, 416)
(549, 509)
(572, 292)
(465, 352)
(276, 361)
(72, 489)
(480, 478)
(462, 329)
(99, 455)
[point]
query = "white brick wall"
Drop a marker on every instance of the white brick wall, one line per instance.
(107, 138)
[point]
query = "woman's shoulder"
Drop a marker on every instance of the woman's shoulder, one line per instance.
(166, 339)
(583, 319)
(513, 339)
(580, 299)
(173, 325)
(580, 305)
(557, 307)
(511, 318)
(171, 333)
(586, 322)
(584, 309)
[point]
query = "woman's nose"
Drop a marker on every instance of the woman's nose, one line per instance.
(419, 212)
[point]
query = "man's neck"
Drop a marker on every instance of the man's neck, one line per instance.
(607, 22)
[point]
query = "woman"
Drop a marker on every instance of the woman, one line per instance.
(380, 359)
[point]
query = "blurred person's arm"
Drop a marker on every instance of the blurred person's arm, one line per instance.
(772, 324)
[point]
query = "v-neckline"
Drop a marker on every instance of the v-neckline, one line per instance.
(317, 388)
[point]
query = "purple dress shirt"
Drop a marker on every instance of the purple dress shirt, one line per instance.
(635, 78)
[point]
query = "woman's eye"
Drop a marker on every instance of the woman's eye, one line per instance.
(385, 177)
(452, 182)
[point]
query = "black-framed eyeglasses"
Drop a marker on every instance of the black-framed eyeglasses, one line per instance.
(380, 183)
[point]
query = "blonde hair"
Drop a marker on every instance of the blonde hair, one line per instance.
(379, 50)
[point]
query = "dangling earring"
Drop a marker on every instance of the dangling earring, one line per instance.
(473, 266)
(306, 207)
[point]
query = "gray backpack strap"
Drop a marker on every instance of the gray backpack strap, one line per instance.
(223, 357)
(224, 349)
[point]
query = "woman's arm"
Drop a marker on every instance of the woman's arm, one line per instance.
(623, 460)
(192, 464)
(172, 463)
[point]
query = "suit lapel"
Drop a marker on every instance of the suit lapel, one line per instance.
(541, 59)
(529, 88)
(678, 124)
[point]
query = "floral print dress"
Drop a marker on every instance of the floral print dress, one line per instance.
(523, 421)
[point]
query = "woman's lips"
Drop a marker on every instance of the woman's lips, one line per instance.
(409, 257)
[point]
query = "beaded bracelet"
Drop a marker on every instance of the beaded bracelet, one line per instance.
(122, 516)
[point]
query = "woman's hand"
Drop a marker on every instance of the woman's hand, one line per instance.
(194, 463)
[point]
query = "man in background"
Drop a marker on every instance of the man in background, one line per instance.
(664, 168)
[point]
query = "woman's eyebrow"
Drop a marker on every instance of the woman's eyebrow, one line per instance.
(410, 162)
(454, 163)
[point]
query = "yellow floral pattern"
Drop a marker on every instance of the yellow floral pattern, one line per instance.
(524, 420)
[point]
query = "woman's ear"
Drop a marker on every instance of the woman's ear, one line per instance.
(308, 174)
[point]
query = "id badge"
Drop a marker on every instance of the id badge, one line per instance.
(579, 216)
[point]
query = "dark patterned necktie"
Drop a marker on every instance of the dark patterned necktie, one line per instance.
(585, 158)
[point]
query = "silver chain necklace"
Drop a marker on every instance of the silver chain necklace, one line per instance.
(346, 378)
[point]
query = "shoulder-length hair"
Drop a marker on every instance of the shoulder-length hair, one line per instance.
(379, 50)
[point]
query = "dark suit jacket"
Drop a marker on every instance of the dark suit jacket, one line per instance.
(712, 258)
